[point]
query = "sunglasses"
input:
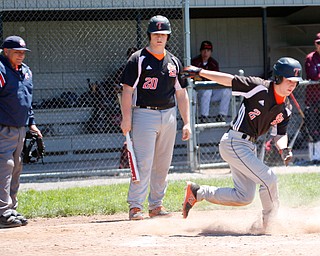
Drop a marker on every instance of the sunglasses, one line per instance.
(318, 43)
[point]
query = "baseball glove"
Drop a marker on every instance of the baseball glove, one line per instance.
(192, 72)
(33, 148)
(286, 155)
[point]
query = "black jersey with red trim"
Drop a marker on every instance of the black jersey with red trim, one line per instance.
(155, 80)
(259, 110)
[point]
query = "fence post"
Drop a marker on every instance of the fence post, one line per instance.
(187, 61)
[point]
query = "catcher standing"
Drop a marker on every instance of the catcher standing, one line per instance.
(152, 86)
(264, 105)
(15, 114)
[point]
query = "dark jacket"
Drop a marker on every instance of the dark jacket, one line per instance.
(15, 95)
(212, 64)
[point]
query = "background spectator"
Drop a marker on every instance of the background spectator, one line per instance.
(206, 61)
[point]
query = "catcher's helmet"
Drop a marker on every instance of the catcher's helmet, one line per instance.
(289, 68)
(159, 25)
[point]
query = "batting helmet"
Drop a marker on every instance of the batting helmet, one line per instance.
(159, 25)
(289, 68)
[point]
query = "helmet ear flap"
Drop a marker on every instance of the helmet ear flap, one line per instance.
(278, 79)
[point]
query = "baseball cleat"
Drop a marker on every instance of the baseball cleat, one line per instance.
(159, 212)
(135, 213)
(190, 197)
(20, 217)
(9, 221)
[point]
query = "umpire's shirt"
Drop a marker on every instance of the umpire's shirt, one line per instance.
(15, 95)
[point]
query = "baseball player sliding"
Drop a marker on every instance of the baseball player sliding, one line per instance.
(152, 86)
(264, 105)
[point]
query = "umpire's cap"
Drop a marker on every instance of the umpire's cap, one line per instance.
(159, 25)
(15, 43)
(289, 68)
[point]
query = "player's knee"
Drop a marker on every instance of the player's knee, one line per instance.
(245, 199)
(272, 180)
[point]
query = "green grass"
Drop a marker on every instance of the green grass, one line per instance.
(295, 190)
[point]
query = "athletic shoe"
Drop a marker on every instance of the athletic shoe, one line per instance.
(220, 118)
(135, 213)
(204, 119)
(159, 212)
(190, 197)
(20, 217)
(9, 221)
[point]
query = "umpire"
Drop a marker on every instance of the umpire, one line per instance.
(15, 114)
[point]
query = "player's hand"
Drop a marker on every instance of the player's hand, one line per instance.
(186, 132)
(125, 126)
(286, 155)
(190, 71)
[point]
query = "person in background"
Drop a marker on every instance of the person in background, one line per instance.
(152, 88)
(15, 114)
(312, 67)
(312, 100)
(206, 61)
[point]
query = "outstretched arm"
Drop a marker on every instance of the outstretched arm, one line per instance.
(219, 77)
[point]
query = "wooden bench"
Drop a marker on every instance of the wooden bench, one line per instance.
(62, 121)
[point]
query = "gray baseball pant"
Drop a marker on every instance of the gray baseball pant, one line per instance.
(153, 137)
(11, 145)
(247, 171)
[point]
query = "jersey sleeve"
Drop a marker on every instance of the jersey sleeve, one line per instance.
(182, 81)
(244, 86)
(130, 72)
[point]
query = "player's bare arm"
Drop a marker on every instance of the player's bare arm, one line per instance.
(126, 108)
(183, 105)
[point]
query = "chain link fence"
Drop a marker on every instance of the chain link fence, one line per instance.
(303, 131)
(77, 57)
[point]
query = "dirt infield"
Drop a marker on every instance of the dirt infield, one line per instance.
(221, 232)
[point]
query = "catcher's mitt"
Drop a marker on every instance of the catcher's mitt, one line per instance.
(33, 148)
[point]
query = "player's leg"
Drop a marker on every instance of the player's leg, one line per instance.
(15, 181)
(241, 194)
(255, 170)
(205, 99)
(145, 127)
(223, 96)
(162, 161)
(247, 171)
(8, 141)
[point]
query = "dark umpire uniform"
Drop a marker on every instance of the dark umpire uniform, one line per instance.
(15, 114)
